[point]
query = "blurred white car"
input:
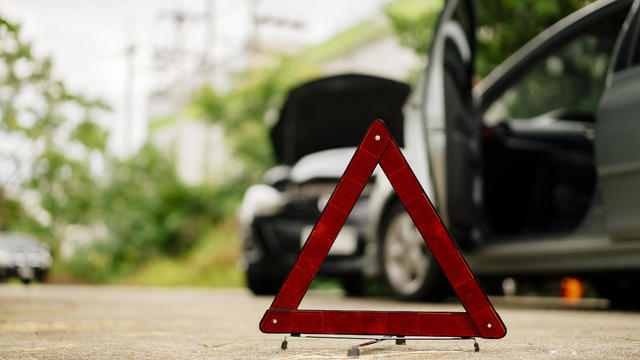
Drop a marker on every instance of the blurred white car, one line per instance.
(22, 255)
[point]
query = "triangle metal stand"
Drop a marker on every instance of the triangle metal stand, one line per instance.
(479, 319)
(355, 349)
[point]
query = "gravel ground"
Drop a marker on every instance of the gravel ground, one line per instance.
(107, 322)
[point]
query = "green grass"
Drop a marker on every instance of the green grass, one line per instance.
(211, 263)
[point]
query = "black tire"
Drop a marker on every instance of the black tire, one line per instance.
(42, 275)
(353, 285)
(408, 267)
(492, 286)
(263, 284)
(622, 291)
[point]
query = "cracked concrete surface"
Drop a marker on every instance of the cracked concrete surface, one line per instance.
(107, 322)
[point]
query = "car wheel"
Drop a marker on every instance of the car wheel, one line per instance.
(263, 284)
(410, 271)
(353, 285)
(42, 275)
(622, 291)
(26, 274)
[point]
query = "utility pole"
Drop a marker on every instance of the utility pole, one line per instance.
(176, 55)
(207, 60)
(252, 43)
(257, 21)
(130, 53)
(207, 68)
(178, 61)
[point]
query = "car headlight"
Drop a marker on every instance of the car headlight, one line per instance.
(260, 200)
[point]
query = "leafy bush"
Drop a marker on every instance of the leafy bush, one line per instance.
(141, 205)
(503, 26)
(149, 212)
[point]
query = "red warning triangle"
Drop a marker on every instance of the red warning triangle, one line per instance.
(480, 318)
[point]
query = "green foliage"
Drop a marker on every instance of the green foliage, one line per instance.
(573, 78)
(414, 21)
(30, 99)
(168, 214)
(503, 26)
(241, 112)
(35, 108)
(18, 220)
(149, 212)
(91, 264)
(66, 187)
(212, 262)
(90, 135)
(142, 207)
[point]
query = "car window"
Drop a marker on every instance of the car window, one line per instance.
(570, 77)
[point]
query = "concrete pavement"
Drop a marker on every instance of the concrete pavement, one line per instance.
(107, 322)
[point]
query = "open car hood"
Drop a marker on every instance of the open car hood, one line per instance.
(335, 112)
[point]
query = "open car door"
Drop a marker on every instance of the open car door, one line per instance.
(450, 129)
(440, 136)
(618, 136)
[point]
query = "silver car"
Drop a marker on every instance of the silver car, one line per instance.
(23, 256)
(536, 169)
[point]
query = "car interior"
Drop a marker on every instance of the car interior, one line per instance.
(538, 162)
